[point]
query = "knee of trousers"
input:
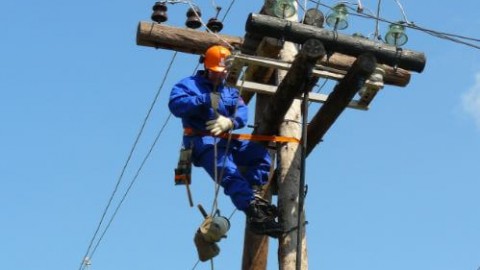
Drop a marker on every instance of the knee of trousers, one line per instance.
(239, 190)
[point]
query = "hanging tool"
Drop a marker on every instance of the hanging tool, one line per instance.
(211, 231)
(183, 172)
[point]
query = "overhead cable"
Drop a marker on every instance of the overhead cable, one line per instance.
(228, 10)
(132, 182)
(377, 29)
(120, 178)
(439, 34)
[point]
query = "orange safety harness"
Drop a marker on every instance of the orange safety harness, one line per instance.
(250, 137)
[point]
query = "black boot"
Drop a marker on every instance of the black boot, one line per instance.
(261, 218)
(269, 209)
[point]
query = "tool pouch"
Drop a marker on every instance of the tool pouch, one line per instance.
(183, 171)
(206, 250)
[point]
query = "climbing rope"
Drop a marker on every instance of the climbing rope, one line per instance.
(229, 139)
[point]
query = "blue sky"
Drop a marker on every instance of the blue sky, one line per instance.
(395, 187)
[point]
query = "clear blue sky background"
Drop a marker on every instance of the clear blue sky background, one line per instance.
(392, 188)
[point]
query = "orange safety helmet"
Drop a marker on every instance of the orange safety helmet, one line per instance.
(215, 58)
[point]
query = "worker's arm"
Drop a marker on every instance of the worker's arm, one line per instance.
(241, 116)
(185, 102)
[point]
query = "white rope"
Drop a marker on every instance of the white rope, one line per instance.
(217, 185)
(403, 12)
(215, 175)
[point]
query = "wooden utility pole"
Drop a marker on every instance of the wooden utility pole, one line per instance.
(255, 248)
(289, 167)
(291, 86)
(278, 115)
(337, 56)
(288, 182)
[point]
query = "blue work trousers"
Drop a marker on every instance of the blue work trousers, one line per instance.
(251, 155)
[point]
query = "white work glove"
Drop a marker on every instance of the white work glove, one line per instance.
(219, 125)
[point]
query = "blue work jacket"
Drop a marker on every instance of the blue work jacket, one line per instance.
(190, 101)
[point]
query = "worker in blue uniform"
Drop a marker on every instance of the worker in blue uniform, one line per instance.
(209, 108)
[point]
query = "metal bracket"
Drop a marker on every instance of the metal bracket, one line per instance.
(240, 61)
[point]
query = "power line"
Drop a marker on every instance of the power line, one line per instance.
(460, 39)
(120, 178)
(228, 10)
(377, 29)
(442, 35)
(132, 182)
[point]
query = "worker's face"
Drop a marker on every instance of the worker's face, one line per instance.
(217, 77)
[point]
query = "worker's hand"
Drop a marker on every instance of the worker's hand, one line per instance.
(214, 100)
(219, 125)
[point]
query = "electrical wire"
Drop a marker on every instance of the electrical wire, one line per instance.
(321, 86)
(301, 185)
(456, 38)
(130, 154)
(195, 265)
(442, 35)
(377, 29)
(132, 182)
(319, 89)
(304, 10)
(455, 35)
(228, 10)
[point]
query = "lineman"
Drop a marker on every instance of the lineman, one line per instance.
(209, 108)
